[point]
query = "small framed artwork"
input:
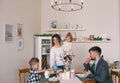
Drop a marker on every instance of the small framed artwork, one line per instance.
(20, 30)
(8, 33)
(20, 43)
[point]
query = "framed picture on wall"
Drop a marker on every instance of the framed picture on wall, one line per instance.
(20, 43)
(19, 30)
(8, 33)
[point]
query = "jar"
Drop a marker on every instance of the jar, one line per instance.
(67, 74)
(72, 73)
(44, 50)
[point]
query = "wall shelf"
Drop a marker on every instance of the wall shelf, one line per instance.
(80, 29)
(44, 54)
(52, 30)
(91, 41)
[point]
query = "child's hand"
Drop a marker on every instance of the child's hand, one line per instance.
(65, 52)
(43, 70)
(73, 55)
(40, 71)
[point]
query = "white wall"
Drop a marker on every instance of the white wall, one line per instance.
(119, 25)
(12, 12)
(98, 17)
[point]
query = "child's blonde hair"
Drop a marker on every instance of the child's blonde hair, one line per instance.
(69, 35)
(33, 61)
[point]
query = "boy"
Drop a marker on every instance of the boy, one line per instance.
(34, 76)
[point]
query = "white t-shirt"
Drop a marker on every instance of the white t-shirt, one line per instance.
(56, 55)
(67, 46)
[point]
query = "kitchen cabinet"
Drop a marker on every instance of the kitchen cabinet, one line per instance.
(42, 50)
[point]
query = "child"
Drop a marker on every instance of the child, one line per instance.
(34, 76)
(67, 45)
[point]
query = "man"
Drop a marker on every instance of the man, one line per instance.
(99, 71)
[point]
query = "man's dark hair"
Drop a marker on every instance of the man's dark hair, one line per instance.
(97, 49)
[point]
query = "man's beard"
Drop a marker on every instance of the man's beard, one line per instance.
(92, 58)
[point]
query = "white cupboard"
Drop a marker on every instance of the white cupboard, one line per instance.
(42, 50)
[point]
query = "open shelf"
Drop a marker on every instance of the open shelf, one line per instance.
(52, 30)
(43, 54)
(91, 41)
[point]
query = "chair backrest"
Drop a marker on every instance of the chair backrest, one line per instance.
(115, 76)
(116, 63)
(22, 72)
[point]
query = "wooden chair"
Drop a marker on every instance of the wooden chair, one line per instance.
(112, 66)
(114, 75)
(23, 72)
(89, 81)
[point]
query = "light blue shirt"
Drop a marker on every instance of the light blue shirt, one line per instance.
(96, 62)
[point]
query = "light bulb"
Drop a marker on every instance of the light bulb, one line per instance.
(59, 5)
(71, 7)
(51, 2)
(81, 1)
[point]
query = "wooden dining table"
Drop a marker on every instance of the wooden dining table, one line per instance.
(73, 80)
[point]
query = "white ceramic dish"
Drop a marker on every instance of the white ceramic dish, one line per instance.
(81, 75)
(54, 79)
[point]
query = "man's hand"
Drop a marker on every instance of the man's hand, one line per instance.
(88, 60)
(88, 72)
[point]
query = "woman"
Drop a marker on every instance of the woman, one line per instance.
(56, 52)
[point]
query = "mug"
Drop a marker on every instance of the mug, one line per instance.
(72, 73)
(46, 74)
(67, 75)
(44, 50)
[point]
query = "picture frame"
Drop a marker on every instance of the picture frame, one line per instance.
(19, 30)
(9, 32)
(20, 43)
